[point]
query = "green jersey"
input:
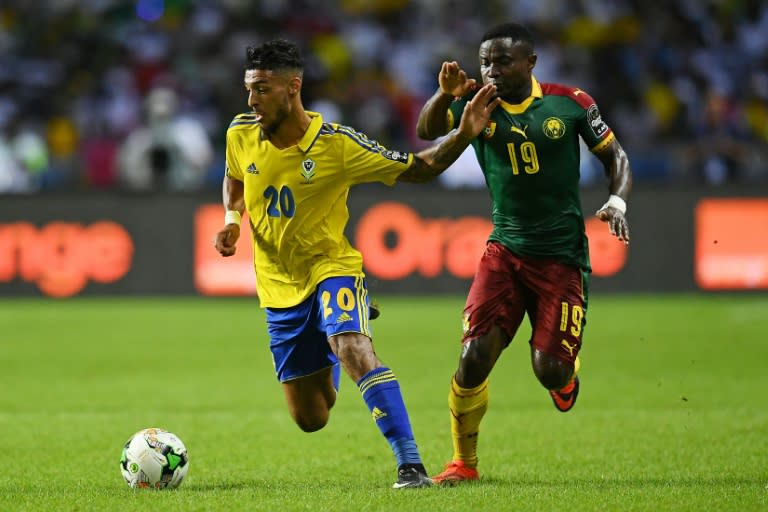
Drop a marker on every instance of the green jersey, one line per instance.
(529, 154)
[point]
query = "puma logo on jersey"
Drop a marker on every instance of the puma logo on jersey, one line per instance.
(521, 131)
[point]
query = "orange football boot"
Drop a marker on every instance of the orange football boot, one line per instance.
(455, 472)
(565, 397)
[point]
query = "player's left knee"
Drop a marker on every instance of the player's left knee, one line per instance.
(311, 423)
(551, 372)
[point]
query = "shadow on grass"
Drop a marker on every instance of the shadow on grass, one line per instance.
(488, 481)
(224, 486)
(275, 486)
(630, 482)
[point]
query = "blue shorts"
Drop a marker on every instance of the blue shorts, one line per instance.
(299, 334)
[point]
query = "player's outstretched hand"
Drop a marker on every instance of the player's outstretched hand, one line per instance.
(478, 111)
(617, 222)
(226, 240)
(454, 81)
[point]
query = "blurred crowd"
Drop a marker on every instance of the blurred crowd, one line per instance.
(109, 94)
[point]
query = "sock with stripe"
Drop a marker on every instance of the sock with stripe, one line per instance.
(382, 395)
(467, 406)
(336, 376)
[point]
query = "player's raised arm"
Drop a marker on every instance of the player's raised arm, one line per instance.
(433, 118)
(226, 239)
(429, 163)
(617, 169)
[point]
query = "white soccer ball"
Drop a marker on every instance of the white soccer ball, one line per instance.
(154, 458)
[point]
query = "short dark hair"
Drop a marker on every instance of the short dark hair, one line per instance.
(515, 31)
(277, 54)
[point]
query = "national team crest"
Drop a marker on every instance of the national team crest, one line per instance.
(490, 129)
(308, 170)
(553, 127)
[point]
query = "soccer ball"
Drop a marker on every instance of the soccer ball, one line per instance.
(154, 458)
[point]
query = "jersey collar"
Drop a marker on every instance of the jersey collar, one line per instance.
(308, 140)
(519, 108)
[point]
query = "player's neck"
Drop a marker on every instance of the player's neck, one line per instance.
(291, 130)
(520, 95)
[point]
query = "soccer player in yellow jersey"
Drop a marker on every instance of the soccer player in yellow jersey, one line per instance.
(292, 172)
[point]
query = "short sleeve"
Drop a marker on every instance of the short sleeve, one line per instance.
(365, 160)
(595, 132)
(232, 167)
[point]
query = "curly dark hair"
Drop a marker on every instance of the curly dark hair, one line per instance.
(274, 55)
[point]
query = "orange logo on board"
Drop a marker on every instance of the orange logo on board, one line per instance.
(61, 257)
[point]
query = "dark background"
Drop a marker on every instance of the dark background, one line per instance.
(660, 257)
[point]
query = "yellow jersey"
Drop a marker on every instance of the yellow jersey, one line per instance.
(296, 199)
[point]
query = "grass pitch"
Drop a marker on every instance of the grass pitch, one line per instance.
(672, 413)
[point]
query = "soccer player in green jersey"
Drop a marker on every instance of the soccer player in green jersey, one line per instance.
(292, 172)
(536, 260)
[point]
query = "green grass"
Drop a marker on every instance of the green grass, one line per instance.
(672, 414)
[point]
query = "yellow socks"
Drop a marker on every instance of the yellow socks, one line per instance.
(467, 409)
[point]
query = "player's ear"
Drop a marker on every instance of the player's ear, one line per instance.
(294, 85)
(532, 61)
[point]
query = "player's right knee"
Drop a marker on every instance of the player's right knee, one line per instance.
(479, 356)
(474, 367)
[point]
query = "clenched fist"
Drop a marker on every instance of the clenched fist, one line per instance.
(226, 239)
